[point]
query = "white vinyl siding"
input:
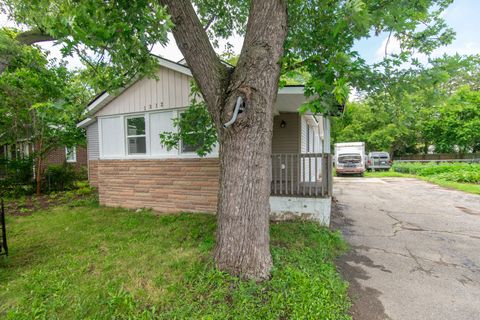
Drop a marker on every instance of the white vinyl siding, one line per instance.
(303, 135)
(326, 135)
(170, 89)
(93, 151)
(310, 143)
(111, 137)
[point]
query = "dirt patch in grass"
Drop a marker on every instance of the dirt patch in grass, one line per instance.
(27, 205)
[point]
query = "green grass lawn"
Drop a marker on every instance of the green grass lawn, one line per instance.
(465, 187)
(89, 262)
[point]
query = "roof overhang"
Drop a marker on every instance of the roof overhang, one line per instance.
(289, 99)
(85, 123)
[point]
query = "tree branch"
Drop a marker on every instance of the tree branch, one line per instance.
(263, 46)
(388, 41)
(26, 38)
(192, 40)
(33, 36)
(209, 23)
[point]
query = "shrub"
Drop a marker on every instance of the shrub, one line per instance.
(455, 172)
(60, 177)
(16, 177)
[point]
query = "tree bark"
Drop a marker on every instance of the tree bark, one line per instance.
(38, 176)
(242, 246)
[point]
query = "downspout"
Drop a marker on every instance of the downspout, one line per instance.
(235, 113)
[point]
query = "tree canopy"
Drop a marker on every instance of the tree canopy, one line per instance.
(41, 103)
(416, 109)
(117, 36)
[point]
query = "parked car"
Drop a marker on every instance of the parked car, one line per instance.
(350, 158)
(378, 161)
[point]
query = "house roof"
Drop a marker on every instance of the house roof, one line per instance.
(102, 99)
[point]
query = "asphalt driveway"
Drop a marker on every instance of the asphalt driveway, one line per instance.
(415, 249)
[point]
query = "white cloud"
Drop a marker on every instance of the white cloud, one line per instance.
(390, 45)
(394, 47)
(467, 48)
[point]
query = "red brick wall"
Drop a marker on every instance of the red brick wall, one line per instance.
(57, 156)
(170, 185)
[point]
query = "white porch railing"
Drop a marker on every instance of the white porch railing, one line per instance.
(303, 174)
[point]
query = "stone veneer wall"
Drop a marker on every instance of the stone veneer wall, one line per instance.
(93, 172)
(166, 185)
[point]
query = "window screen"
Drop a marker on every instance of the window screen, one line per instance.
(136, 139)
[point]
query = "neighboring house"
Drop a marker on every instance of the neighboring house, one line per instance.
(76, 156)
(131, 168)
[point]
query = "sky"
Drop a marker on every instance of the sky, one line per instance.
(463, 16)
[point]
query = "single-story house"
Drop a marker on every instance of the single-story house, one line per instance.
(132, 169)
(75, 156)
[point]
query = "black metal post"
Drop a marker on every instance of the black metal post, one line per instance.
(3, 246)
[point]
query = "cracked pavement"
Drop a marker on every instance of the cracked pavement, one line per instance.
(415, 248)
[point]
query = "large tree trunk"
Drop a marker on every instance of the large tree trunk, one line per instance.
(242, 247)
(243, 212)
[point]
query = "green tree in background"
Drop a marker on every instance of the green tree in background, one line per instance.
(455, 124)
(416, 108)
(41, 103)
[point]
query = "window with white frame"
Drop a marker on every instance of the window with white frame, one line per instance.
(189, 148)
(71, 154)
(136, 138)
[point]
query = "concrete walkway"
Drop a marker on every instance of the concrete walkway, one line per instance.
(415, 249)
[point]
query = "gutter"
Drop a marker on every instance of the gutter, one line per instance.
(85, 123)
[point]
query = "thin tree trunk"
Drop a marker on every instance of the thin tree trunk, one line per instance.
(38, 176)
(242, 247)
(38, 163)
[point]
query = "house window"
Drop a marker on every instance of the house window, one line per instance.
(112, 141)
(71, 154)
(136, 139)
(189, 148)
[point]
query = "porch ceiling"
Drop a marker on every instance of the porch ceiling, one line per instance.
(289, 99)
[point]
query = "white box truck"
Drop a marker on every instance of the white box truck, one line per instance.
(350, 158)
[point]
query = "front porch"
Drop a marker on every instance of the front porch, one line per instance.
(301, 168)
(301, 162)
